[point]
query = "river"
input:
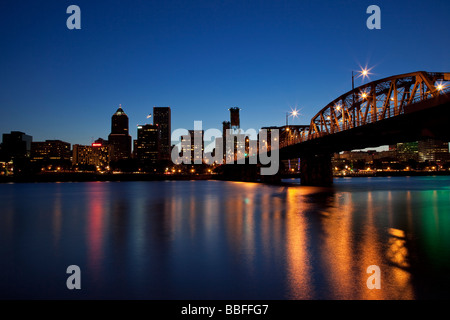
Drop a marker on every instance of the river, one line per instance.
(226, 240)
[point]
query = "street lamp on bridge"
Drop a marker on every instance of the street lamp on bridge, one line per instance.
(364, 73)
(294, 114)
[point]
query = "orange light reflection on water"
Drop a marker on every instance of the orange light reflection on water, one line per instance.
(298, 258)
(347, 247)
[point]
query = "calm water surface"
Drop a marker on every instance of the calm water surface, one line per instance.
(226, 240)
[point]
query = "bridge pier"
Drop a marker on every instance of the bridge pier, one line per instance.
(316, 170)
(239, 172)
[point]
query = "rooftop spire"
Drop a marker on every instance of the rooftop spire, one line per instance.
(120, 111)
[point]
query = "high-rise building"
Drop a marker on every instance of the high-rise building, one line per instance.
(49, 150)
(433, 150)
(226, 126)
(146, 146)
(197, 146)
(120, 138)
(234, 117)
(97, 155)
(16, 145)
(162, 119)
(407, 151)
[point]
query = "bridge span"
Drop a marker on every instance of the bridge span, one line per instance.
(400, 108)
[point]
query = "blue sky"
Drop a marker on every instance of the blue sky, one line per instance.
(200, 58)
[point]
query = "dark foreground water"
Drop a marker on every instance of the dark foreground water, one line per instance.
(226, 240)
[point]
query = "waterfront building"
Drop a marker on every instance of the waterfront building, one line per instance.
(120, 138)
(96, 155)
(433, 150)
(16, 145)
(50, 150)
(162, 119)
(147, 145)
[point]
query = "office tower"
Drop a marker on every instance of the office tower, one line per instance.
(407, 151)
(234, 117)
(226, 125)
(162, 119)
(433, 150)
(120, 138)
(197, 146)
(16, 145)
(146, 146)
(50, 150)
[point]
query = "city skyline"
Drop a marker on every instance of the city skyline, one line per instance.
(224, 150)
(200, 58)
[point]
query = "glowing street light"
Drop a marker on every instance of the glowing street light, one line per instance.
(294, 114)
(364, 73)
(440, 87)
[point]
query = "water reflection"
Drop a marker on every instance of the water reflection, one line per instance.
(229, 240)
(298, 264)
(95, 227)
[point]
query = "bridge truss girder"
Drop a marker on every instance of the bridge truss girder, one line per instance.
(375, 101)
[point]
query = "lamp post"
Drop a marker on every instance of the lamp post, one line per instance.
(294, 113)
(353, 81)
(364, 73)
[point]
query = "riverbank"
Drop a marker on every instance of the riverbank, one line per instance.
(87, 176)
(393, 174)
(90, 176)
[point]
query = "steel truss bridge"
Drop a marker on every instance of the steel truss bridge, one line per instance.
(372, 102)
(399, 108)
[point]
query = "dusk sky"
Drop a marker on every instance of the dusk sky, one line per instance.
(200, 58)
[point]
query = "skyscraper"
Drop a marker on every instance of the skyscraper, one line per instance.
(146, 146)
(120, 138)
(234, 117)
(16, 145)
(162, 119)
(226, 125)
(197, 145)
